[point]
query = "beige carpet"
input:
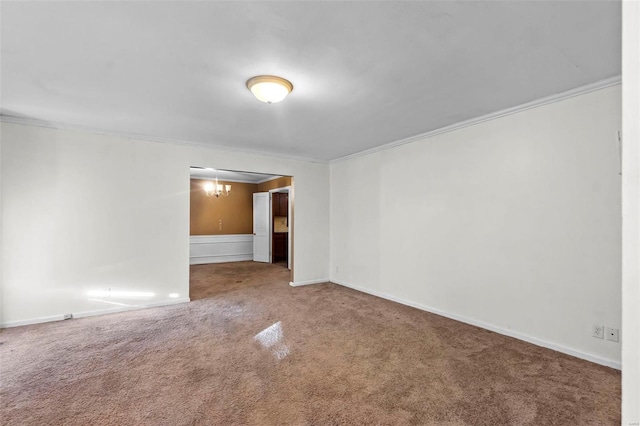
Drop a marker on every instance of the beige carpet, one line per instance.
(252, 350)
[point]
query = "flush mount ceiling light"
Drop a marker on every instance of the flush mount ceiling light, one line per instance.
(269, 88)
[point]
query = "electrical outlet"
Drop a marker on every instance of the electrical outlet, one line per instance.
(598, 331)
(613, 334)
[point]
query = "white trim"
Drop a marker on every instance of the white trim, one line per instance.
(95, 312)
(582, 90)
(511, 333)
(32, 321)
(301, 283)
(280, 190)
(224, 180)
(269, 179)
(218, 239)
(612, 81)
(205, 249)
(220, 258)
(143, 137)
(131, 308)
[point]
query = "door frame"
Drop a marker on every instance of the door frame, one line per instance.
(288, 190)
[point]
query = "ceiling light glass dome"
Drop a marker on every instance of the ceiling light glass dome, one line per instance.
(269, 88)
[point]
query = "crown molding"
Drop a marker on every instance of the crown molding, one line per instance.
(582, 90)
(269, 179)
(223, 180)
(138, 136)
(591, 87)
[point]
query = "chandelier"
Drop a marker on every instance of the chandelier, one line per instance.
(215, 189)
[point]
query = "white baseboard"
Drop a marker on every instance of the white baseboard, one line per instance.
(95, 312)
(131, 308)
(32, 321)
(300, 283)
(511, 333)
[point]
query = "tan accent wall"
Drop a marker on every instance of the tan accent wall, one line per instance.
(281, 182)
(235, 211)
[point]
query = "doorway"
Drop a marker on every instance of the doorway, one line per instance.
(280, 218)
(233, 218)
(271, 231)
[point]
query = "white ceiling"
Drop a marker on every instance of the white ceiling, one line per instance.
(365, 73)
(229, 175)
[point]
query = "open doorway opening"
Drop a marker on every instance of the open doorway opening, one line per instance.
(280, 219)
(239, 218)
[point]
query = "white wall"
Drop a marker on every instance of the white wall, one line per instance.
(1, 239)
(512, 223)
(631, 213)
(84, 212)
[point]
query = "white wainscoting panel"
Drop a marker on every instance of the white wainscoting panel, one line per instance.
(220, 248)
